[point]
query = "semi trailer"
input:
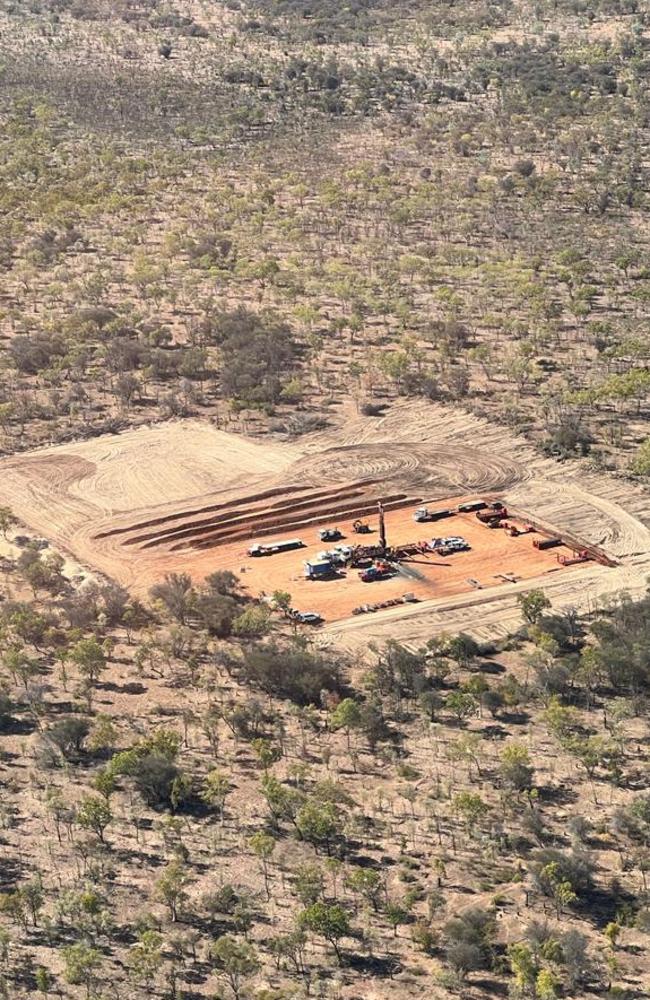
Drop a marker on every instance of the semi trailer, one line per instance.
(270, 548)
(424, 514)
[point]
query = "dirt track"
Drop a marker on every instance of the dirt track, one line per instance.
(435, 466)
(90, 498)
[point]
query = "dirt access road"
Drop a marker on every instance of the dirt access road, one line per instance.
(78, 495)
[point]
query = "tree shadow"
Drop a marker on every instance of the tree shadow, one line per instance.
(11, 871)
(600, 905)
(127, 855)
(491, 987)
(515, 718)
(494, 732)
(363, 861)
(559, 795)
(197, 975)
(17, 727)
(379, 967)
(130, 687)
(490, 667)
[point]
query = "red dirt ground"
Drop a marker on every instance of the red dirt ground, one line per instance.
(492, 552)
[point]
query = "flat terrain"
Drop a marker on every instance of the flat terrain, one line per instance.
(186, 497)
(427, 577)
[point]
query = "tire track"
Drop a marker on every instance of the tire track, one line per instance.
(416, 465)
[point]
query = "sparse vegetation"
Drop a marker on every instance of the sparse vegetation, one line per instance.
(278, 217)
(307, 782)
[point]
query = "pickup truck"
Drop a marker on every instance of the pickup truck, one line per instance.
(307, 617)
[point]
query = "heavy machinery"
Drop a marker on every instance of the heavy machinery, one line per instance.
(363, 555)
(378, 571)
(329, 534)
(360, 528)
(400, 552)
(337, 556)
(391, 556)
(445, 546)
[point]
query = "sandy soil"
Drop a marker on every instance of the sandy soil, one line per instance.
(95, 500)
(67, 494)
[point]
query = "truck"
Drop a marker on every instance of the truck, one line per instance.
(456, 544)
(335, 557)
(338, 556)
(318, 569)
(360, 528)
(307, 617)
(444, 546)
(492, 514)
(271, 548)
(424, 514)
(471, 506)
(329, 534)
(379, 571)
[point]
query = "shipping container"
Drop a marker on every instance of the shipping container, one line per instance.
(318, 570)
(546, 543)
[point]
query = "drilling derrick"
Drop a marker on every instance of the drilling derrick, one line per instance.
(382, 527)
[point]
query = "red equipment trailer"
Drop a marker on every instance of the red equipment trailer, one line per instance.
(574, 559)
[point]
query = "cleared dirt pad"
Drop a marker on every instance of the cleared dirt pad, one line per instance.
(185, 497)
(75, 493)
(426, 576)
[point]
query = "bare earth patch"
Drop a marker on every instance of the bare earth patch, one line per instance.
(185, 497)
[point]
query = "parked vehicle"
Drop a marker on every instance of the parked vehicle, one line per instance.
(424, 514)
(270, 548)
(329, 534)
(546, 543)
(318, 569)
(360, 528)
(336, 557)
(379, 571)
(492, 514)
(308, 617)
(454, 543)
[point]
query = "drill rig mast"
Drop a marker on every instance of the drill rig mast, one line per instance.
(382, 526)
